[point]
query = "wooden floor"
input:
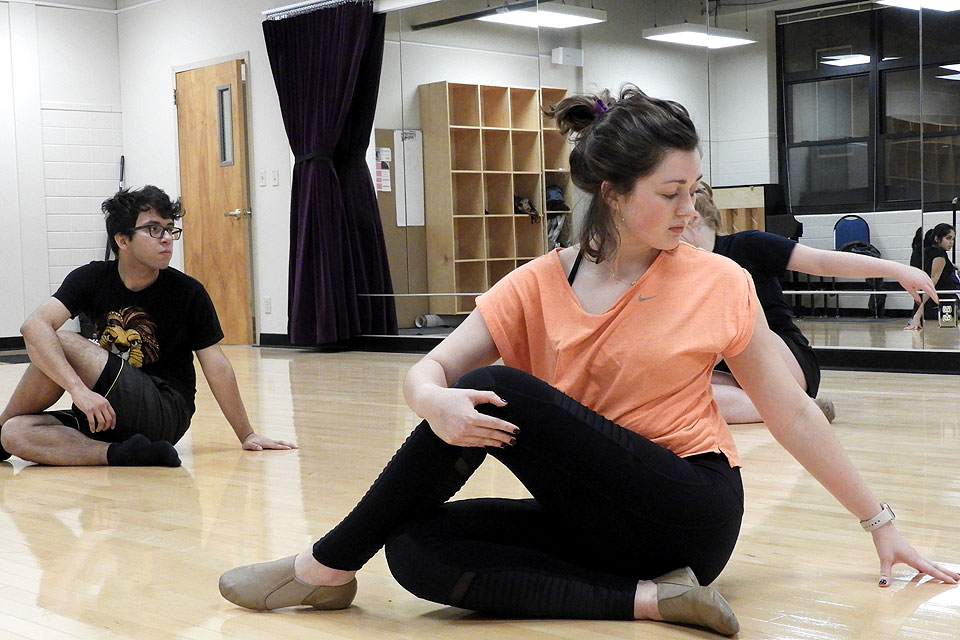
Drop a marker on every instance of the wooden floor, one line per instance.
(882, 333)
(136, 553)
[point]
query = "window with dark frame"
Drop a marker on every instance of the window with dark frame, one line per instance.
(862, 126)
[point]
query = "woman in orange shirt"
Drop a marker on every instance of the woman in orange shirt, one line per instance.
(603, 410)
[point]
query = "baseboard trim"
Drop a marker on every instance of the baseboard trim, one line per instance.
(889, 360)
(386, 344)
(15, 342)
(274, 340)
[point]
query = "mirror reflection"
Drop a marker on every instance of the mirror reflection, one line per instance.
(822, 127)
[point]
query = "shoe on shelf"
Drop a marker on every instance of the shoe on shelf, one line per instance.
(826, 405)
(273, 585)
(682, 600)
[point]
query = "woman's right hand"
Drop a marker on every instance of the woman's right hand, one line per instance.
(452, 415)
(893, 549)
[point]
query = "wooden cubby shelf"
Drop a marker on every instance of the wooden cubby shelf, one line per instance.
(494, 107)
(464, 105)
(556, 151)
(484, 146)
(496, 269)
(529, 237)
(524, 109)
(556, 169)
(465, 149)
(496, 150)
(500, 243)
(467, 232)
(467, 194)
(498, 190)
(525, 146)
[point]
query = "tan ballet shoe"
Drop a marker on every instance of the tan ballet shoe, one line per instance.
(684, 576)
(682, 600)
(826, 405)
(273, 585)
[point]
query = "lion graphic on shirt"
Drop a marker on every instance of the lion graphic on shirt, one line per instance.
(131, 334)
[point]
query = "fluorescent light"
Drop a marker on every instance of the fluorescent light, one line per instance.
(699, 35)
(955, 76)
(846, 60)
(563, 16)
(936, 5)
(553, 16)
(951, 67)
(520, 17)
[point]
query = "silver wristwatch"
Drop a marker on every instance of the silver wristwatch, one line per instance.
(886, 515)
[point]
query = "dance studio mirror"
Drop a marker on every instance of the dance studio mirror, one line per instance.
(844, 123)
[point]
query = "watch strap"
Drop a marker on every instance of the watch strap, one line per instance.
(886, 515)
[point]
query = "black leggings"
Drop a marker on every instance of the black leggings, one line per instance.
(609, 508)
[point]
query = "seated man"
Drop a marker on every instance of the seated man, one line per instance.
(133, 386)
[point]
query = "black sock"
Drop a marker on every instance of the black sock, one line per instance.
(138, 451)
(3, 452)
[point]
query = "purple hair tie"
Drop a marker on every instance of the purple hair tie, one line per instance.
(599, 107)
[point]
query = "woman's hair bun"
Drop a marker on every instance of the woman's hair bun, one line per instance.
(575, 114)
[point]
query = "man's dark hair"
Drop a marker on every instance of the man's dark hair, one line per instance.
(124, 207)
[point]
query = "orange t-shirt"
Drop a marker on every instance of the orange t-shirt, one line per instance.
(646, 362)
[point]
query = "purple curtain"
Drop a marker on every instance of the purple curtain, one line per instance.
(319, 59)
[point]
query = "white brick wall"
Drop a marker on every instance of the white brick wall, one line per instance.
(890, 231)
(81, 167)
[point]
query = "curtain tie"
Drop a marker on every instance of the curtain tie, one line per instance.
(330, 155)
(323, 153)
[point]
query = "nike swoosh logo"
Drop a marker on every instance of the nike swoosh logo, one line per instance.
(641, 298)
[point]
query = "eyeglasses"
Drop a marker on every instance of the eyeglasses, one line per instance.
(157, 231)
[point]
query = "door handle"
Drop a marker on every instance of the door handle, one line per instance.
(236, 213)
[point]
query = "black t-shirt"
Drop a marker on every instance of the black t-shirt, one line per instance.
(765, 257)
(156, 329)
(948, 280)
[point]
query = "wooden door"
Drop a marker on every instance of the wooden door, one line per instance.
(214, 188)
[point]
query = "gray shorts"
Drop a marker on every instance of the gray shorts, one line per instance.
(143, 404)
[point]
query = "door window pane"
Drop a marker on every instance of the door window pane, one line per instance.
(829, 175)
(941, 168)
(902, 169)
(813, 44)
(828, 110)
(225, 124)
(899, 34)
(936, 112)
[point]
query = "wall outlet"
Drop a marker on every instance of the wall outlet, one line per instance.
(268, 305)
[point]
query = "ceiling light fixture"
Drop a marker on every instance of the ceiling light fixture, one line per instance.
(935, 5)
(846, 60)
(552, 15)
(699, 35)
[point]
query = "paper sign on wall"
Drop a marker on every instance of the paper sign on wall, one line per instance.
(381, 174)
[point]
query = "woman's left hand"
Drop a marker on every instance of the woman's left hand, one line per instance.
(892, 548)
(255, 442)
